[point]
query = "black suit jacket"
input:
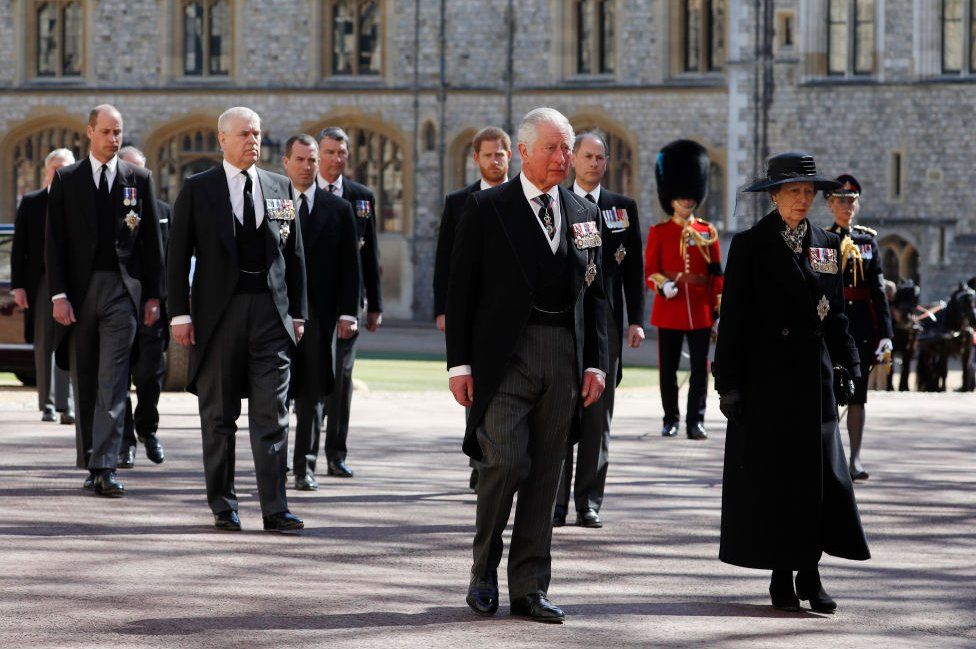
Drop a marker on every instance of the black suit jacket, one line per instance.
(203, 225)
(72, 232)
(623, 266)
(369, 250)
(490, 290)
(164, 213)
(27, 255)
(333, 280)
(453, 206)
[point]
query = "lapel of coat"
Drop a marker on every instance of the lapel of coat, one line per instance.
(271, 189)
(87, 189)
(574, 211)
(788, 272)
(521, 228)
(316, 219)
(224, 219)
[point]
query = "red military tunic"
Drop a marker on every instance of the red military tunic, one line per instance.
(687, 253)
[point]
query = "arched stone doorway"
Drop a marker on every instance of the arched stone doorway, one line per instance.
(899, 259)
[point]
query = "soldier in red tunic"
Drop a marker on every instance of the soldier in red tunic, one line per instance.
(683, 268)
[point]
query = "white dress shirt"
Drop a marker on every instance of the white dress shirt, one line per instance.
(310, 198)
(110, 172)
(531, 191)
(485, 185)
(579, 191)
(324, 184)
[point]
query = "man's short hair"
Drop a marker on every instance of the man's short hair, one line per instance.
(333, 133)
(528, 130)
(302, 138)
(596, 135)
(223, 122)
(59, 154)
(98, 110)
(131, 150)
(490, 134)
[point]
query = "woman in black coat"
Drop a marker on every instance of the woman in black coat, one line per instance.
(787, 495)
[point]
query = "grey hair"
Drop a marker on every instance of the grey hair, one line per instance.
(596, 135)
(60, 154)
(223, 122)
(333, 133)
(130, 150)
(528, 130)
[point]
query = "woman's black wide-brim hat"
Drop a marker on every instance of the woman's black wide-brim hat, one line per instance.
(792, 167)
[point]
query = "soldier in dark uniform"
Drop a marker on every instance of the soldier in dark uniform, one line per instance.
(866, 303)
(783, 360)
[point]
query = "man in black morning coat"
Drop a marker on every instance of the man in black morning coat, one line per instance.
(526, 348)
(104, 267)
(333, 157)
(333, 285)
(247, 312)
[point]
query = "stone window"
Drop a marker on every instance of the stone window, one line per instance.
(702, 31)
(958, 42)
(850, 37)
(715, 203)
(181, 155)
(593, 22)
(376, 160)
(353, 37)
(25, 160)
(785, 30)
(429, 136)
(58, 43)
(206, 37)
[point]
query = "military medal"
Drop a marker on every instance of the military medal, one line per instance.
(281, 210)
(867, 252)
(129, 196)
(616, 218)
(823, 307)
(621, 254)
(132, 220)
(590, 273)
(823, 260)
(586, 235)
(362, 209)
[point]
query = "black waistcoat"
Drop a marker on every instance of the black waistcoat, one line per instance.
(252, 258)
(554, 286)
(105, 256)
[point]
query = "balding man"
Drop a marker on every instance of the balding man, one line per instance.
(104, 267)
(28, 285)
(247, 313)
(526, 348)
(148, 362)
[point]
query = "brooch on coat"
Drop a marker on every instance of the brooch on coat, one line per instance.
(621, 254)
(590, 274)
(281, 210)
(823, 307)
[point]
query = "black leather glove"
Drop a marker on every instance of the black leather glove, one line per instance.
(843, 385)
(730, 404)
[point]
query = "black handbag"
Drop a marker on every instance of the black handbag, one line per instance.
(843, 385)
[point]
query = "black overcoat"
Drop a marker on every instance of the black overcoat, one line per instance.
(786, 494)
(27, 255)
(494, 272)
(369, 247)
(453, 206)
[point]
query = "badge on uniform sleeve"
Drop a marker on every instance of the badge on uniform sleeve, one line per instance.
(363, 209)
(129, 196)
(586, 235)
(823, 307)
(621, 254)
(590, 274)
(616, 218)
(866, 251)
(132, 220)
(823, 260)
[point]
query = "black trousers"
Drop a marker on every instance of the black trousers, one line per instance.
(249, 354)
(148, 368)
(669, 343)
(339, 403)
(53, 383)
(309, 402)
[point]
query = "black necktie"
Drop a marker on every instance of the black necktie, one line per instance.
(545, 215)
(590, 198)
(250, 218)
(303, 210)
(103, 184)
(332, 188)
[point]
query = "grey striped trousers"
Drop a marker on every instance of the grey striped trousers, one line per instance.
(523, 437)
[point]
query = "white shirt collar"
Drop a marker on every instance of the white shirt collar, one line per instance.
(324, 184)
(96, 166)
(531, 192)
(309, 196)
(579, 191)
(485, 185)
(234, 174)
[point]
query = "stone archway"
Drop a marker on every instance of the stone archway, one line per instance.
(899, 258)
(178, 150)
(622, 172)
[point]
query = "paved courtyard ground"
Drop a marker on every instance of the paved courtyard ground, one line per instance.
(385, 557)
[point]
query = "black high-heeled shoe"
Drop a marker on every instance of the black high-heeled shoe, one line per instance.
(781, 591)
(809, 588)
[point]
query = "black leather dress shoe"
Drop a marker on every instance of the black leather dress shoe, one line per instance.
(588, 518)
(339, 469)
(697, 431)
(306, 483)
(670, 429)
(67, 418)
(89, 484)
(127, 458)
(283, 522)
(809, 588)
(537, 607)
(781, 592)
(483, 594)
(228, 520)
(49, 415)
(106, 484)
(154, 450)
(559, 517)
